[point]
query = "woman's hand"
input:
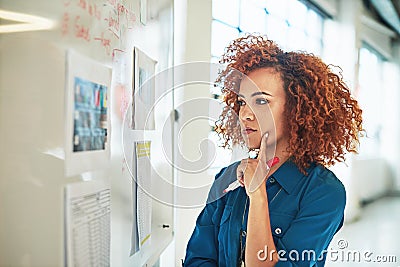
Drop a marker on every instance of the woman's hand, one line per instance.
(252, 173)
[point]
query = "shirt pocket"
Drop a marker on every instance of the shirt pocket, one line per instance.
(280, 223)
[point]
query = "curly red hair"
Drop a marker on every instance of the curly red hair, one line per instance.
(324, 121)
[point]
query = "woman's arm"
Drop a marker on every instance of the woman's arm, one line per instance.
(252, 173)
(260, 247)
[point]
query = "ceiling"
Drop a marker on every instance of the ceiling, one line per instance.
(387, 11)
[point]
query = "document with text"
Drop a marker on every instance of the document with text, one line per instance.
(87, 224)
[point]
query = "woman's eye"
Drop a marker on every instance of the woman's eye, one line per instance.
(261, 101)
(240, 103)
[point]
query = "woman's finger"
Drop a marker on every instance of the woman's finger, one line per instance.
(240, 170)
(262, 154)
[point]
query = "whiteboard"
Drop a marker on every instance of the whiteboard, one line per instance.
(34, 99)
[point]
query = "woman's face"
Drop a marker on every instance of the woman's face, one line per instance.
(262, 101)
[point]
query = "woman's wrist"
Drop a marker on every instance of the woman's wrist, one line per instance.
(259, 195)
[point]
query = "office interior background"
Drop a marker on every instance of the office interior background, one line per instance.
(360, 36)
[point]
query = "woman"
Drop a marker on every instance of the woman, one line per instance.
(285, 214)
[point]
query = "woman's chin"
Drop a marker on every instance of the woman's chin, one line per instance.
(252, 142)
(253, 145)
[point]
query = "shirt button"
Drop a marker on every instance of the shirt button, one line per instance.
(278, 231)
(272, 180)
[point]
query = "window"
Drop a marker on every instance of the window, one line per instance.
(370, 89)
(291, 23)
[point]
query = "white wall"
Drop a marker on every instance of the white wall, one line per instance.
(193, 43)
(32, 121)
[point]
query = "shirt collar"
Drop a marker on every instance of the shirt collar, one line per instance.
(288, 175)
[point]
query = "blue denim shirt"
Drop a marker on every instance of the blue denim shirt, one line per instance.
(305, 213)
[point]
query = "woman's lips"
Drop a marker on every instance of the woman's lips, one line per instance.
(249, 131)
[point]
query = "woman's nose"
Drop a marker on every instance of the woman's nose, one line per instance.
(245, 113)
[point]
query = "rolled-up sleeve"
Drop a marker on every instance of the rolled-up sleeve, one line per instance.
(320, 216)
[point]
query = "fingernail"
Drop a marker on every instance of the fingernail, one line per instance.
(266, 135)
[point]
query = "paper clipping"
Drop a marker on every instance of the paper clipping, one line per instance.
(141, 231)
